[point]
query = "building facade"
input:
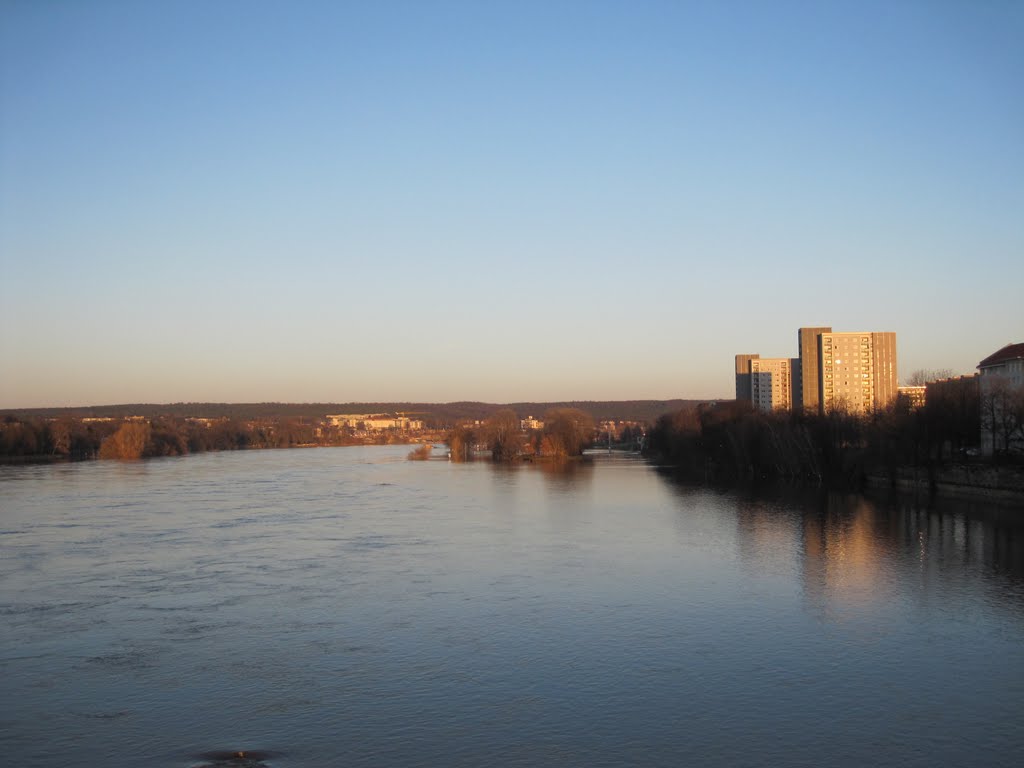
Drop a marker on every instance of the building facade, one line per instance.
(851, 371)
(375, 422)
(914, 396)
(857, 371)
(531, 423)
(771, 380)
(806, 385)
(883, 361)
(744, 388)
(1006, 364)
(958, 400)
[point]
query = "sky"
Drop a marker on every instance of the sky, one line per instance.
(250, 201)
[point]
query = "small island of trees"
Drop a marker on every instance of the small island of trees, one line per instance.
(566, 433)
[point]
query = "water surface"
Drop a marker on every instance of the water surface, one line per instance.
(346, 607)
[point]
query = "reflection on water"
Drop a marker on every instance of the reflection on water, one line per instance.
(348, 607)
(848, 543)
(568, 475)
(238, 758)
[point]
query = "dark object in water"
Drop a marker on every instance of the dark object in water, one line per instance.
(242, 758)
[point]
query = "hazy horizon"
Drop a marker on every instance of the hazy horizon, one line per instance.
(404, 401)
(448, 201)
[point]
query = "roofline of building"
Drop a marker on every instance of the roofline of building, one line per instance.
(1009, 352)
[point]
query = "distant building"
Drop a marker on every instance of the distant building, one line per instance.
(1001, 384)
(806, 382)
(945, 392)
(854, 371)
(771, 380)
(375, 422)
(744, 388)
(857, 371)
(958, 401)
(913, 396)
(884, 371)
(531, 423)
(1006, 364)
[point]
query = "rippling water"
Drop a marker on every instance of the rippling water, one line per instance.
(346, 607)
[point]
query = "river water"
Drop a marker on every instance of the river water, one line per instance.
(346, 607)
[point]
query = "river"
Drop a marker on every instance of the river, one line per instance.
(346, 607)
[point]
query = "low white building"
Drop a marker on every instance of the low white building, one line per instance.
(377, 422)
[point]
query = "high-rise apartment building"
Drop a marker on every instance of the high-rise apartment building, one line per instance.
(857, 371)
(883, 360)
(806, 376)
(771, 380)
(851, 371)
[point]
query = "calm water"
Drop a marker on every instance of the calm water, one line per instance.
(346, 607)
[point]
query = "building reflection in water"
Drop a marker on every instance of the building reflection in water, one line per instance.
(851, 552)
(856, 550)
(843, 561)
(569, 476)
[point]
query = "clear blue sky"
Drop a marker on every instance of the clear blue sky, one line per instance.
(435, 201)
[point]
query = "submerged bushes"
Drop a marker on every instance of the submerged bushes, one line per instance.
(420, 454)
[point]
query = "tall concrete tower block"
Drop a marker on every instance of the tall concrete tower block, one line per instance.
(744, 390)
(771, 380)
(883, 349)
(807, 380)
(858, 371)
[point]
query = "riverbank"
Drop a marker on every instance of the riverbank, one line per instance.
(896, 448)
(1003, 484)
(51, 458)
(998, 482)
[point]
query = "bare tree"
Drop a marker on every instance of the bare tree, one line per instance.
(460, 443)
(60, 435)
(1002, 414)
(503, 435)
(922, 376)
(567, 431)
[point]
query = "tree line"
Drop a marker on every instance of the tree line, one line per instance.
(434, 415)
(732, 441)
(68, 437)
